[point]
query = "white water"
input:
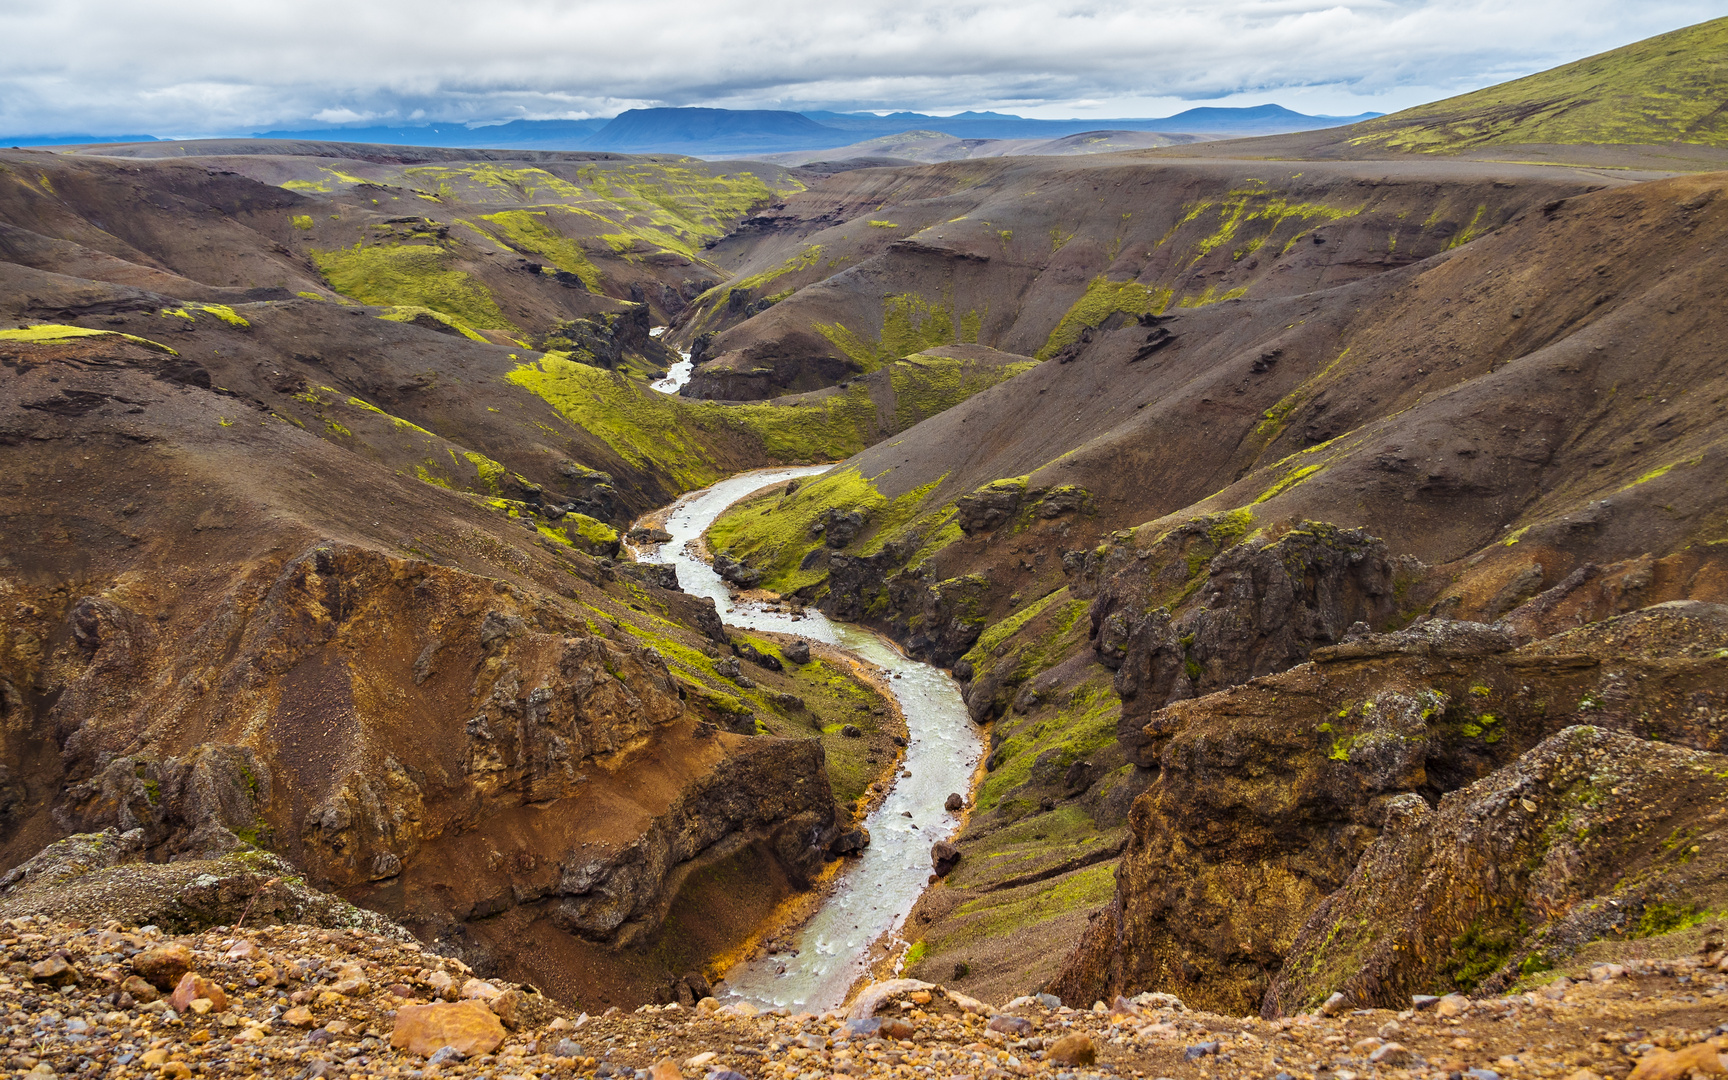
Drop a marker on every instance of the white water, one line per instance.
(877, 891)
(677, 375)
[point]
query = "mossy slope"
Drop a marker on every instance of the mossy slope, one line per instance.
(1663, 89)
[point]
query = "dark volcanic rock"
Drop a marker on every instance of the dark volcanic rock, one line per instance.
(735, 572)
(1273, 792)
(1263, 605)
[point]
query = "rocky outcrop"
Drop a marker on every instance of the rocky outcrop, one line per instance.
(433, 744)
(1198, 611)
(1268, 795)
(1590, 834)
(772, 792)
(102, 877)
(611, 339)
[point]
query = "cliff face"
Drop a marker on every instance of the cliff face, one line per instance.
(1287, 849)
(223, 633)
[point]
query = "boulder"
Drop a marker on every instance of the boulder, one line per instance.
(797, 651)
(194, 987)
(877, 994)
(1076, 1049)
(518, 1009)
(163, 965)
(54, 971)
(757, 656)
(955, 803)
(944, 857)
(851, 842)
(467, 1026)
(735, 572)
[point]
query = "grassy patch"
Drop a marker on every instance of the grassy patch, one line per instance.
(54, 334)
(926, 385)
(773, 532)
(681, 439)
(414, 275)
(1102, 299)
(530, 231)
(1080, 729)
(1083, 890)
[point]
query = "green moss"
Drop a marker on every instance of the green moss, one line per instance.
(926, 385)
(221, 311)
(1290, 480)
(1480, 951)
(54, 334)
(1272, 421)
(1102, 299)
(1082, 890)
(408, 313)
(716, 298)
(410, 275)
(1080, 729)
(489, 471)
(683, 439)
(302, 221)
(1660, 90)
(997, 635)
(1211, 295)
(594, 531)
(1665, 918)
(774, 533)
(1257, 213)
(529, 231)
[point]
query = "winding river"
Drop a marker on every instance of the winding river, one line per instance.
(875, 893)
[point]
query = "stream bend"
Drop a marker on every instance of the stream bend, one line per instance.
(875, 893)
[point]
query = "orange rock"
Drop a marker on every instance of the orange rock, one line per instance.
(163, 965)
(193, 986)
(1672, 1065)
(665, 1070)
(1073, 1050)
(300, 1016)
(140, 990)
(469, 1026)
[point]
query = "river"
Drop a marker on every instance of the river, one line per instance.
(875, 893)
(678, 374)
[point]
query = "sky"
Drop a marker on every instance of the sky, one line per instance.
(198, 67)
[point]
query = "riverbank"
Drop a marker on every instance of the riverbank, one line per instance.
(872, 899)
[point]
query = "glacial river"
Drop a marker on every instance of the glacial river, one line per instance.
(677, 375)
(876, 891)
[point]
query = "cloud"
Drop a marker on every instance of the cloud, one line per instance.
(214, 65)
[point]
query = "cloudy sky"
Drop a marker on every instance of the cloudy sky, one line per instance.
(188, 67)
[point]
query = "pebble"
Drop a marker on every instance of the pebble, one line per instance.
(1642, 1020)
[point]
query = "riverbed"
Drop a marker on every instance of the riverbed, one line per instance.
(875, 893)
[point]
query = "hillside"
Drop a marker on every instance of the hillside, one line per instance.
(1664, 89)
(1515, 426)
(873, 263)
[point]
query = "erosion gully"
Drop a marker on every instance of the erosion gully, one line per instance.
(876, 892)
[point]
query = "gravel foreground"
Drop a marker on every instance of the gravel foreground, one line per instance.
(292, 1001)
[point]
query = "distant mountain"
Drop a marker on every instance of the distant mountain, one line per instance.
(712, 131)
(1672, 88)
(752, 132)
(1254, 120)
(909, 147)
(515, 135)
(70, 140)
